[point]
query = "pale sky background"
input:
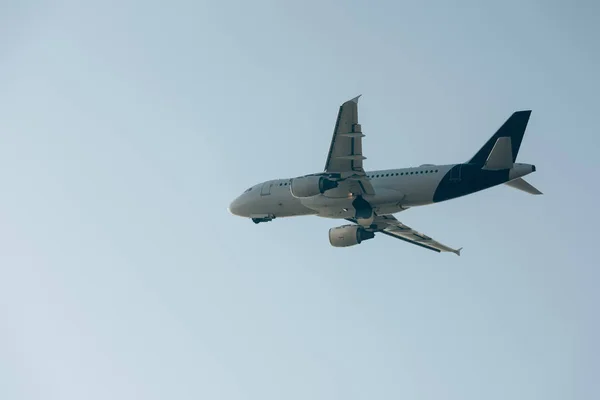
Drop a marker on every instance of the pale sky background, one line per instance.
(126, 128)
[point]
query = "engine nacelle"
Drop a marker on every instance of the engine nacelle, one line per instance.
(348, 235)
(308, 186)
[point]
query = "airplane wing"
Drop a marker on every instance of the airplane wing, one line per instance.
(389, 225)
(345, 157)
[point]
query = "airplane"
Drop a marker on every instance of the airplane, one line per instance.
(368, 199)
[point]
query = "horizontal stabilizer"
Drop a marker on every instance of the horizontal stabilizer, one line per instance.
(523, 185)
(501, 155)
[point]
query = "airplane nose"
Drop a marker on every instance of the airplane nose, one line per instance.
(234, 207)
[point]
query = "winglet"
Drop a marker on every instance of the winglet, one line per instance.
(457, 252)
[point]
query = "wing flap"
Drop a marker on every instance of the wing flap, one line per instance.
(408, 241)
(351, 157)
(389, 225)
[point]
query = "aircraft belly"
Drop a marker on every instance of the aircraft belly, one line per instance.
(293, 207)
(281, 205)
(387, 209)
(328, 206)
(384, 202)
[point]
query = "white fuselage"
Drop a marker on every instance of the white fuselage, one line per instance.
(395, 190)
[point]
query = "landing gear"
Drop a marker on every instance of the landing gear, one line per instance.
(362, 207)
(364, 212)
(262, 219)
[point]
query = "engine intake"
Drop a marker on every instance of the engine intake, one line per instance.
(348, 235)
(308, 186)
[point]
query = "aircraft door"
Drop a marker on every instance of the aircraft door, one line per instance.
(266, 188)
(456, 173)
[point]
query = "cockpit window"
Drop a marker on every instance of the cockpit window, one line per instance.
(247, 190)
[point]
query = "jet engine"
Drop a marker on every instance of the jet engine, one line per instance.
(308, 186)
(348, 235)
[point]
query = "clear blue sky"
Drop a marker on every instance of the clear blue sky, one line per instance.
(126, 128)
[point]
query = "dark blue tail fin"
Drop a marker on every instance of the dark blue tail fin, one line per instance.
(514, 127)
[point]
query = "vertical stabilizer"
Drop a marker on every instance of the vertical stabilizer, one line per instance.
(514, 129)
